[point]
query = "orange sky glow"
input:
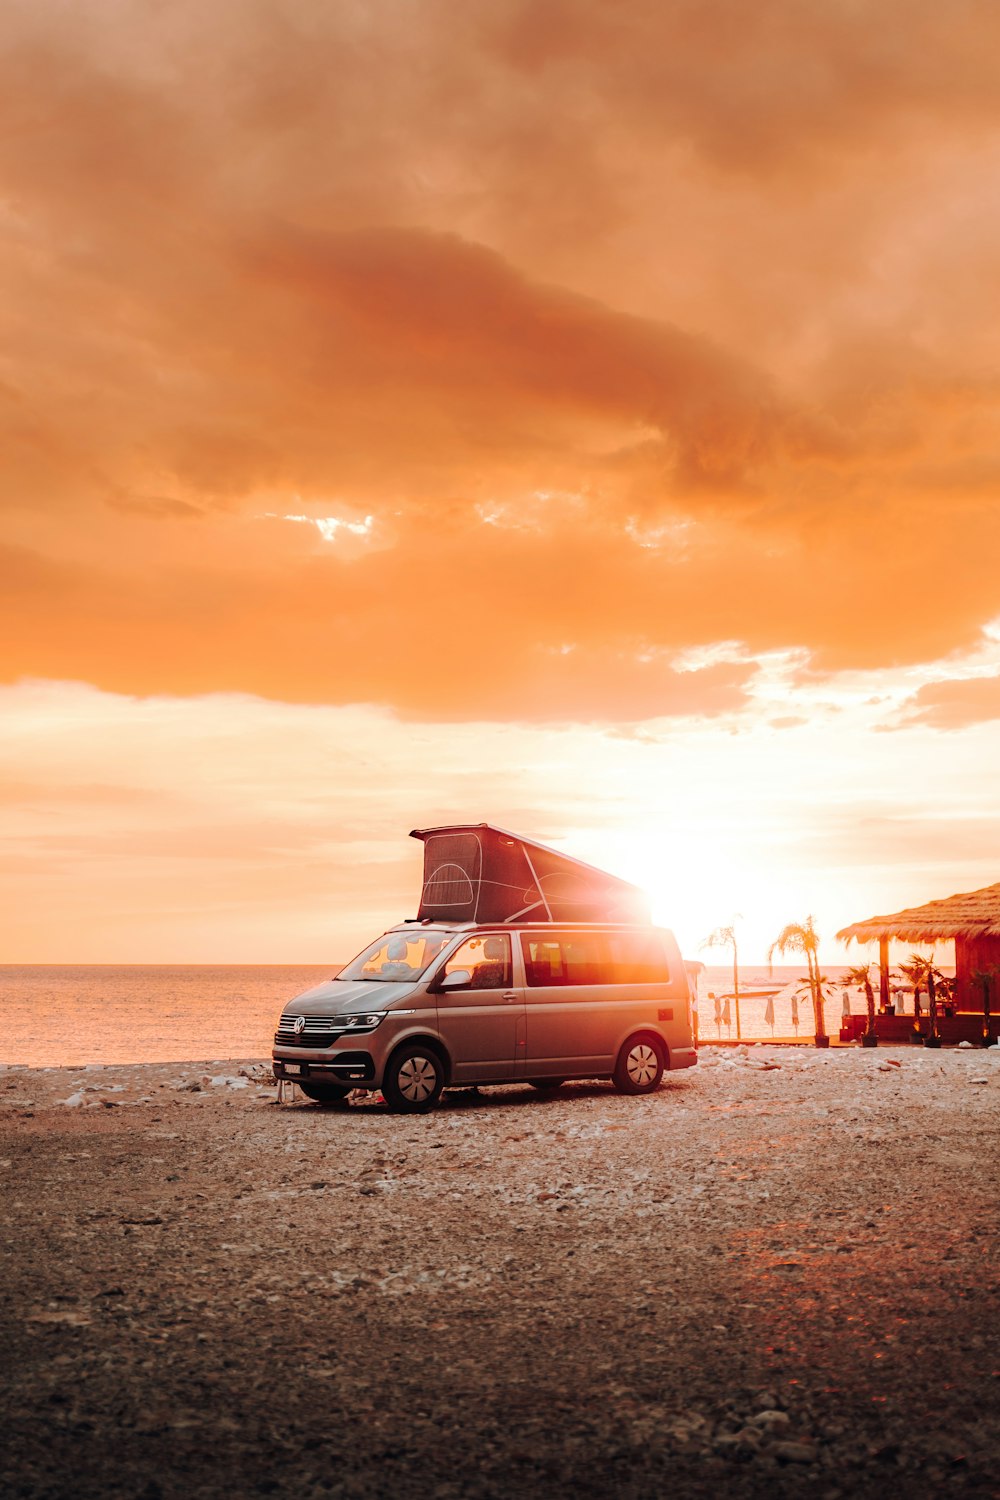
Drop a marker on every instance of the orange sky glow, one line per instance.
(578, 417)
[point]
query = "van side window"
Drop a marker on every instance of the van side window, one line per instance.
(487, 960)
(543, 961)
(573, 958)
(637, 958)
(595, 958)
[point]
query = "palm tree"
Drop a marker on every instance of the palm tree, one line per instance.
(922, 974)
(858, 977)
(802, 937)
(725, 937)
(913, 973)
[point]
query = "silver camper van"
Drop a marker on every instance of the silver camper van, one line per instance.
(523, 990)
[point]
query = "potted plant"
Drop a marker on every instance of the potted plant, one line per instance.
(859, 977)
(923, 975)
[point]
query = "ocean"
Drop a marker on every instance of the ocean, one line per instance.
(69, 1015)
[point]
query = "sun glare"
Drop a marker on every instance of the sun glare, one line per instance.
(694, 884)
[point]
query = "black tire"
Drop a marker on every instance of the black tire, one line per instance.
(324, 1093)
(414, 1078)
(544, 1085)
(640, 1066)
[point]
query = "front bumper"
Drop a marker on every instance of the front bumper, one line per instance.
(356, 1069)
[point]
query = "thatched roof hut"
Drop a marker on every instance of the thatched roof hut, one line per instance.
(969, 915)
(971, 920)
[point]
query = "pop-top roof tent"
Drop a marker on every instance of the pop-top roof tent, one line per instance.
(474, 872)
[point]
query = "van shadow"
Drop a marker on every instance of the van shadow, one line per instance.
(502, 1096)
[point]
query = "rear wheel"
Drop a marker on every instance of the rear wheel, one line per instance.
(324, 1093)
(414, 1077)
(639, 1067)
(545, 1084)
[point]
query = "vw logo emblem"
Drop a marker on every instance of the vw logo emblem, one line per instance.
(300, 1025)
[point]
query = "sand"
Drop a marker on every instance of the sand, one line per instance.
(776, 1276)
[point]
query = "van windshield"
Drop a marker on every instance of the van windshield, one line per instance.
(398, 955)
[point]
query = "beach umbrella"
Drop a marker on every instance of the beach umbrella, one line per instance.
(846, 1004)
(725, 1015)
(769, 1013)
(717, 1017)
(795, 1011)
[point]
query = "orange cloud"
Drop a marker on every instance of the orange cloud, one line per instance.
(633, 330)
(955, 704)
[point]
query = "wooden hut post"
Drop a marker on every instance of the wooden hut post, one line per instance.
(883, 973)
(965, 999)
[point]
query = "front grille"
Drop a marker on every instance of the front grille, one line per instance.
(319, 1031)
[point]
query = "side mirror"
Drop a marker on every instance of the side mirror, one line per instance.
(456, 980)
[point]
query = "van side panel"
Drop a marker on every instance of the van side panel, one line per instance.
(578, 1016)
(575, 1031)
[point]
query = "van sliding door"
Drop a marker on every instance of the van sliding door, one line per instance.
(571, 1028)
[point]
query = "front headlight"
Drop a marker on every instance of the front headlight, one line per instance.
(362, 1023)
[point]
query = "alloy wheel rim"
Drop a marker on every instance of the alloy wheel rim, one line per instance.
(417, 1078)
(641, 1064)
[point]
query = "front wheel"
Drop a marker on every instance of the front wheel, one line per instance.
(639, 1067)
(324, 1093)
(414, 1077)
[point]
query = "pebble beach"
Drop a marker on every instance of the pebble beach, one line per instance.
(776, 1275)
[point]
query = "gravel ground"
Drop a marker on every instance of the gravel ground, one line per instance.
(777, 1275)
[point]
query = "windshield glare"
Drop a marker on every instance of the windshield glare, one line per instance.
(398, 955)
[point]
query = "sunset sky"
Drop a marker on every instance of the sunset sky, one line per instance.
(577, 416)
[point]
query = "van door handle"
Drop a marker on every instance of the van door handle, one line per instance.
(508, 995)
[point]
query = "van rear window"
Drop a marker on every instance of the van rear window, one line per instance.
(637, 958)
(594, 958)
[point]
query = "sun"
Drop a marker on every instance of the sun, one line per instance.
(694, 883)
(701, 878)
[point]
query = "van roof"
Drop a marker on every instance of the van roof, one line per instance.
(410, 924)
